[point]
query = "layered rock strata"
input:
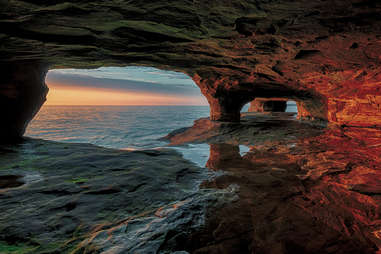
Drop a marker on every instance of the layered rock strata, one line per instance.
(323, 54)
(80, 198)
(273, 185)
(268, 105)
(301, 189)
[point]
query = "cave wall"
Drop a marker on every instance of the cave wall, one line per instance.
(268, 105)
(324, 54)
(22, 93)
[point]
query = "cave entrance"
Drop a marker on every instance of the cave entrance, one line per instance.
(272, 105)
(245, 108)
(292, 107)
(267, 105)
(117, 107)
(121, 86)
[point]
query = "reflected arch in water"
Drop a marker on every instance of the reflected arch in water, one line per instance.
(279, 211)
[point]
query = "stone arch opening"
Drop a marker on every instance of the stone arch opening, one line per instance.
(305, 108)
(227, 93)
(23, 92)
(268, 105)
(273, 105)
(292, 106)
(126, 86)
(141, 103)
(233, 47)
(24, 89)
(245, 108)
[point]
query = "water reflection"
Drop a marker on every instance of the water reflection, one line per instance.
(301, 189)
(318, 195)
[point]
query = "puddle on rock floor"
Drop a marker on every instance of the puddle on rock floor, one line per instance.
(10, 181)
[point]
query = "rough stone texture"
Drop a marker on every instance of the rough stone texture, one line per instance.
(324, 54)
(254, 128)
(22, 93)
(80, 198)
(297, 193)
(297, 188)
(268, 105)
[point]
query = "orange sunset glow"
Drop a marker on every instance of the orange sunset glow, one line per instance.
(60, 94)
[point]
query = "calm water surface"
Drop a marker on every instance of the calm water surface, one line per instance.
(121, 127)
(113, 126)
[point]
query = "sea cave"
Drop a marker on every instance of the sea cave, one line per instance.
(299, 172)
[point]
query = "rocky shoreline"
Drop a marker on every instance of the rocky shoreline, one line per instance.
(80, 198)
(299, 188)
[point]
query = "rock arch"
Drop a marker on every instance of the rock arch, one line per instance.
(268, 105)
(324, 54)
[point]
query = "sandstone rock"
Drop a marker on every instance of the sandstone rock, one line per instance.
(298, 188)
(253, 128)
(325, 55)
(298, 193)
(268, 105)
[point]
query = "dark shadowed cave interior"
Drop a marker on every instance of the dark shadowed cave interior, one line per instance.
(308, 182)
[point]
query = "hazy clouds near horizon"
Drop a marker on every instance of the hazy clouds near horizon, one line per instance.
(130, 79)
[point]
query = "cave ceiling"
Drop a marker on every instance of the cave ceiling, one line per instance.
(326, 51)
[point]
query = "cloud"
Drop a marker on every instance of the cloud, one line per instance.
(134, 79)
(131, 73)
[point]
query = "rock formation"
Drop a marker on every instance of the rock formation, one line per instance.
(301, 189)
(296, 189)
(323, 54)
(268, 105)
(80, 198)
(22, 93)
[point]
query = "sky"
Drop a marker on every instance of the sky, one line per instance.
(121, 86)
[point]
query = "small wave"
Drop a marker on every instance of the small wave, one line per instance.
(129, 149)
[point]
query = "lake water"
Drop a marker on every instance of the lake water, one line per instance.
(121, 127)
(134, 127)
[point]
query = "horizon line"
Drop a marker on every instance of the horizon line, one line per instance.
(126, 105)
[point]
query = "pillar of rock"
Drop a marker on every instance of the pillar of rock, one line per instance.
(22, 93)
(224, 95)
(323, 54)
(225, 109)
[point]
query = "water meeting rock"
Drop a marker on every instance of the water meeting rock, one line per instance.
(324, 55)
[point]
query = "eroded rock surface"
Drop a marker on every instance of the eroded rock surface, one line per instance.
(323, 54)
(297, 188)
(22, 93)
(253, 128)
(79, 198)
(301, 191)
(268, 105)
